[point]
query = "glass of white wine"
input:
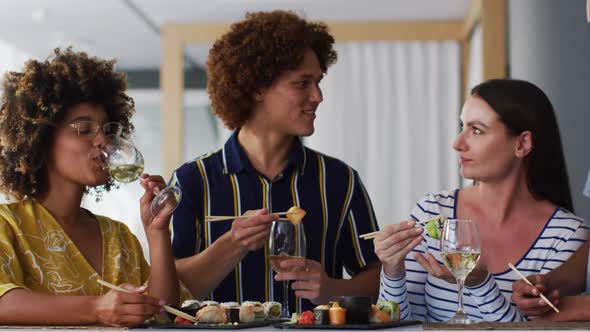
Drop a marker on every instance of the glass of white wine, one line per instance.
(124, 162)
(460, 249)
(286, 241)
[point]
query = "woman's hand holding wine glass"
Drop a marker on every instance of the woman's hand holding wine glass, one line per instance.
(125, 163)
(460, 249)
(154, 184)
(435, 269)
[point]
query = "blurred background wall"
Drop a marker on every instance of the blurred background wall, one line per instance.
(549, 45)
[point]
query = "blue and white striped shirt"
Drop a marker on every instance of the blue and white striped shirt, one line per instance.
(427, 298)
(225, 183)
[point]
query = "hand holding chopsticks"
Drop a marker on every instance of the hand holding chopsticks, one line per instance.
(368, 236)
(166, 307)
(531, 284)
(294, 214)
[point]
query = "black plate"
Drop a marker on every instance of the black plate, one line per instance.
(370, 326)
(211, 326)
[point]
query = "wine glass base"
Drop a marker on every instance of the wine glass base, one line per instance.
(285, 314)
(460, 319)
(166, 200)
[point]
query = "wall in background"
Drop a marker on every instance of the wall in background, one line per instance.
(549, 45)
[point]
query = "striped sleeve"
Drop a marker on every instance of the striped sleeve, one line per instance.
(492, 304)
(564, 234)
(409, 291)
(395, 290)
(185, 219)
(359, 219)
(416, 276)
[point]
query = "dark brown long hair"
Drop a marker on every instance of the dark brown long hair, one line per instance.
(522, 106)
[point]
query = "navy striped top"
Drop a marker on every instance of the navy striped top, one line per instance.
(225, 183)
(424, 297)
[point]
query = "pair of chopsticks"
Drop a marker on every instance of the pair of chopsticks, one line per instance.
(528, 282)
(368, 236)
(223, 218)
(166, 307)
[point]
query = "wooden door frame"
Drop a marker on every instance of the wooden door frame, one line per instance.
(489, 14)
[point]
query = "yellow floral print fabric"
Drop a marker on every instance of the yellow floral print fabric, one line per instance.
(36, 254)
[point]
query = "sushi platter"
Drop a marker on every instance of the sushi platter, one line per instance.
(224, 326)
(350, 313)
(224, 316)
(368, 326)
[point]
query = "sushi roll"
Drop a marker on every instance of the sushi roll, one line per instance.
(391, 308)
(246, 314)
(272, 310)
(209, 303)
(434, 227)
(212, 314)
(337, 314)
(230, 304)
(233, 314)
(378, 316)
(256, 307)
(321, 315)
(191, 307)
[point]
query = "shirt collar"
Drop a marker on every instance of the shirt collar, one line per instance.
(235, 159)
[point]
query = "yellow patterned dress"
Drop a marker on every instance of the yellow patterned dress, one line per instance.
(36, 254)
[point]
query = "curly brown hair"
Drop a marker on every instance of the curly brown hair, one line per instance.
(254, 53)
(36, 100)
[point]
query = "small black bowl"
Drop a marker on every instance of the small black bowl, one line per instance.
(357, 308)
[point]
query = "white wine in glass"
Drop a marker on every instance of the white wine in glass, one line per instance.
(124, 162)
(286, 241)
(460, 249)
(126, 173)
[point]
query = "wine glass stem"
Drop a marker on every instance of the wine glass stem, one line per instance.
(286, 313)
(461, 283)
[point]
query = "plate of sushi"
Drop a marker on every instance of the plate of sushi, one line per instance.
(350, 313)
(226, 315)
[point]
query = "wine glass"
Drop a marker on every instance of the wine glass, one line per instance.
(123, 161)
(460, 249)
(286, 241)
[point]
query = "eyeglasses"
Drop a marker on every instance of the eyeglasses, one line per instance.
(90, 128)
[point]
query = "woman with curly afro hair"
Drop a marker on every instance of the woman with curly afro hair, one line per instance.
(54, 119)
(264, 83)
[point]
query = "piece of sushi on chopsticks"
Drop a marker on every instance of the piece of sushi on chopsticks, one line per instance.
(295, 214)
(434, 223)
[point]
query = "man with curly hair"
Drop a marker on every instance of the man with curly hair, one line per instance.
(54, 119)
(263, 81)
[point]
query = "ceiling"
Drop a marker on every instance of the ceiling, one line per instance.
(128, 30)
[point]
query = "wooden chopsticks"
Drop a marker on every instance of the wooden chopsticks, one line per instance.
(224, 218)
(166, 307)
(528, 282)
(368, 236)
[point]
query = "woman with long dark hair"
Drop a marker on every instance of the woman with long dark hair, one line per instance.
(520, 201)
